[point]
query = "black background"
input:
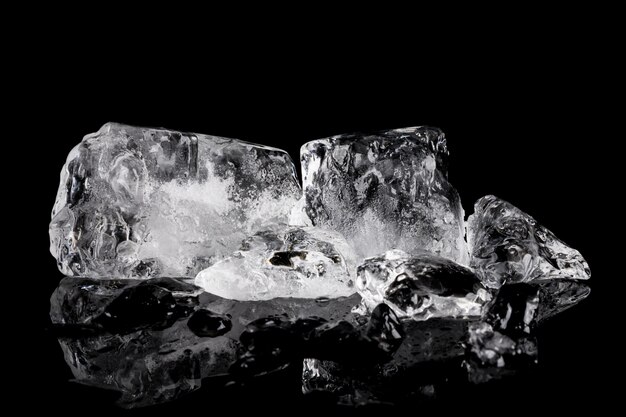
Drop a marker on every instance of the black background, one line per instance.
(521, 121)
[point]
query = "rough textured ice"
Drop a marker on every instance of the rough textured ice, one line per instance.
(384, 191)
(420, 286)
(507, 245)
(138, 202)
(284, 261)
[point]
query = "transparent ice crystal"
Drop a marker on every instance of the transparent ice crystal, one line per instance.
(507, 245)
(250, 276)
(504, 340)
(384, 191)
(420, 286)
(284, 261)
(139, 202)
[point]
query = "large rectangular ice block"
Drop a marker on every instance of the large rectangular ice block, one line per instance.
(140, 202)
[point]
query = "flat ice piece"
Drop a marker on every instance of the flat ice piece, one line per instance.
(385, 191)
(139, 203)
(284, 261)
(507, 245)
(420, 286)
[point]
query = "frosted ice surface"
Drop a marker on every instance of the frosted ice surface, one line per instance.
(284, 261)
(385, 191)
(507, 245)
(139, 202)
(420, 286)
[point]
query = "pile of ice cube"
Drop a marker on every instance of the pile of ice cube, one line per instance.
(375, 215)
(138, 209)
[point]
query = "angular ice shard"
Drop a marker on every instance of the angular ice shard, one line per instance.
(385, 191)
(557, 295)
(284, 261)
(507, 245)
(420, 286)
(514, 310)
(503, 342)
(520, 307)
(139, 202)
(385, 328)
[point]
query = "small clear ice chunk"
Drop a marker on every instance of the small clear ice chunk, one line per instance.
(384, 191)
(504, 342)
(420, 286)
(507, 245)
(514, 310)
(284, 261)
(140, 203)
(385, 328)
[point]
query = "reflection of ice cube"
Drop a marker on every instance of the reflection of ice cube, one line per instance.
(429, 357)
(137, 202)
(493, 354)
(508, 245)
(420, 286)
(284, 261)
(156, 340)
(385, 191)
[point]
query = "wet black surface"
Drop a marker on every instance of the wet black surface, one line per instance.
(165, 340)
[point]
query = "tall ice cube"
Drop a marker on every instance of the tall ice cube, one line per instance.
(385, 191)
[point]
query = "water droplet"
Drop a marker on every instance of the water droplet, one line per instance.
(322, 300)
